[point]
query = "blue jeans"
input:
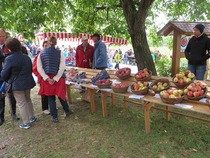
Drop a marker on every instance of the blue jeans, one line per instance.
(198, 70)
(53, 109)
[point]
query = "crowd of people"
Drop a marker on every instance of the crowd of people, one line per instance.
(48, 64)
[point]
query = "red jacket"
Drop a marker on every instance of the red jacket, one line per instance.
(35, 71)
(87, 56)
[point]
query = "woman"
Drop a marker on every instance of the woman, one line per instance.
(51, 66)
(44, 99)
(17, 70)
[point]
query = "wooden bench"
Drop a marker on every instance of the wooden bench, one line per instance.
(148, 102)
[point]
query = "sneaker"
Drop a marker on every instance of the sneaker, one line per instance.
(69, 113)
(24, 125)
(55, 120)
(46, 112)
(32, 119)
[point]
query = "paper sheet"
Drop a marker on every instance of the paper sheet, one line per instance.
(157, 96)
(68, 82)
(77, 85)
(116, 82)
(134, 96)
(129, 90)
(93, 85)
(106, 89)
(203, 100)
(184, 105)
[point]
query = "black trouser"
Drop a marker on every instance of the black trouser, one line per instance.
(53, 109)
(44, 102)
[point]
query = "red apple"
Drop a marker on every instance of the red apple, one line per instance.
(196, 94)
(201, 92)
(187, 72)
(165, 95)
(189, 94)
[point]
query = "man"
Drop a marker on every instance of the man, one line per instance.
(196, 52)
(3, 53)
(84, 54)
(100, 56)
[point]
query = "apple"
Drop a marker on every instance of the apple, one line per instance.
(175, 79)
(191, 75)
(180, 81)
(203, 86)
(185, 91)
(166, 95)
(154, 87)
(196, 94)
(175, 92)
(180, 92)
(145, 84)
(188, 80)
(189, 87)
(165, 84)
(198, 88)
(201, 92)
(187, 72)
(190, 93)
(162, 92)
(172, 96)
(193, 90)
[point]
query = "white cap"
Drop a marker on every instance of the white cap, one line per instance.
(84, 38)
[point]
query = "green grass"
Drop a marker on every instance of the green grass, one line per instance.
(90, 135)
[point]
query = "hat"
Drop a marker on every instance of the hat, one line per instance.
(84, 38)
(96, 35)
(200, 27)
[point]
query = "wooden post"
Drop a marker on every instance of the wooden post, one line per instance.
(147, 107)
(68, 91)
(176, 52)
(92, 103)
(125, 101)
(168, 113)
(113, 99)
(103, 99)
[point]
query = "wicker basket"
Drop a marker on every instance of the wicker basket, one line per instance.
(197, 98)
(181, 86)
(140, 92)
(103, 86)
(160, 80)
(172, 100)
(125, 76)
(120, 89)
(146, 78)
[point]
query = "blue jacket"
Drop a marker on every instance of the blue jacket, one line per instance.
(100, 56)
(19, 66)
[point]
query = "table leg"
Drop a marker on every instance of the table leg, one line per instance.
(92, 103)
(125, 101)
(168, 113)
(147, 107)
(103, 99)
(68, 91)
(113, 99)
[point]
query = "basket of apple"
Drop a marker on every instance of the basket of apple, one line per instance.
(123, 73)
(195, 91)
(105, 83)
(120, 88)
(160, 85)
(172, 96)
(143, 75)
(183, 79)
(140, 88)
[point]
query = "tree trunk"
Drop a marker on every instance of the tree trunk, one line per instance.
(136, 27)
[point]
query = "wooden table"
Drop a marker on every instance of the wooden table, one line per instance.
(148, 101)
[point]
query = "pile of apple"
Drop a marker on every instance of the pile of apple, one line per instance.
(184, 77)
(72, 73)
(123, 72)
(140, 86)
(104, 81)
(172, 93)
(142, 74)
(160, 86)
(120, 85)
(195, 89)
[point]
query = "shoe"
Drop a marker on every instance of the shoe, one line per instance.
(55, 120)
(24, 125)
(46, 112)
(1, 121)
(32, 119)
(69, 113)
(15, 117)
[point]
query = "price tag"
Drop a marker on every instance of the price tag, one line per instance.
(129, 90)
(93, 85)
(68, 82)
(77, 85)
(157, 96)
(107, 89)
(203, 100)
(116, 82)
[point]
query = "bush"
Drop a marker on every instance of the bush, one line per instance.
(163, 66)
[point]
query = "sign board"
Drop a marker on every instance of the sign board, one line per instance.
(184, 41)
